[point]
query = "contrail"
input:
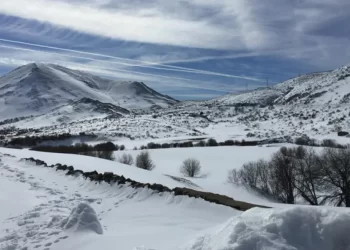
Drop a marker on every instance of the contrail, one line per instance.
(93, 59)
(145, 63)
(114, 70)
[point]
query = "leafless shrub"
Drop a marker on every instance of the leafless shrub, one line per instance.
(126, 159)
(190, 168)
(144, 161)
(254, 175)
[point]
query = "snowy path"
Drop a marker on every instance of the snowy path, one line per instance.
(43, 198)
(38, 227)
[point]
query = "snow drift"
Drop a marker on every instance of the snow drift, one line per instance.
(83, 218)
(280, 229)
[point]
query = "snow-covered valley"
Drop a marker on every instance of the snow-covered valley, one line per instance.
(50, 106)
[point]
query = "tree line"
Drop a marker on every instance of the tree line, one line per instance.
(30, 141)
(300, 173)
(101, 150)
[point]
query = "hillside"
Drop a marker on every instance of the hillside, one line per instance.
(331, 87)
(83, 109)
(316, 105)
(38, 88)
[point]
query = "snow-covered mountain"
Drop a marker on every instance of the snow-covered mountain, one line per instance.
(83, 109)
(38, 88)
(331, 87)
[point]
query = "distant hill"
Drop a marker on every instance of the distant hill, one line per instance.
(331, 87)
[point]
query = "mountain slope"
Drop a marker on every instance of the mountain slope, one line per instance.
(38, 88)
(82, 109)
(317, 89)
(331, 87)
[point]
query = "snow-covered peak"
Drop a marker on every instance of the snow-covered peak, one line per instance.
(37, 88)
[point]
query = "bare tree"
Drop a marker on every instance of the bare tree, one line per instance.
(126, 159)
(300, 172)
(144, 161)
(190, 168)
(254, 175)
(335, 167)
(283, 175)
(308, 175)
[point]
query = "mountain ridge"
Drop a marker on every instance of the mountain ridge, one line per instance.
(332, 86)
(38, 88)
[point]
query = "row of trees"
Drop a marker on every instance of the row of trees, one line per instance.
(209, 143)
(292, 173)
(303, 140)
(30, 141)
(307, 141)
(102, 150)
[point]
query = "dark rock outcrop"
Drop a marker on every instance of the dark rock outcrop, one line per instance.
(343, 133)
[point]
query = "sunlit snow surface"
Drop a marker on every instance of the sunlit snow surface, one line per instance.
(37, 202)
(276, 229)
(43, 209)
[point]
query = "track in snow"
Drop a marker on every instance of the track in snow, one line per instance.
(129, 218)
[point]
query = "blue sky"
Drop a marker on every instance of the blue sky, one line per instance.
(189, 49)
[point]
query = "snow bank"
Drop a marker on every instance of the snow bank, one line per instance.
(83, 218)
(282, 229)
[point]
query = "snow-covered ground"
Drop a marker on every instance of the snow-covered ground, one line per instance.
(40, 199)
(45, 209)
(41, 208)
(215, 161)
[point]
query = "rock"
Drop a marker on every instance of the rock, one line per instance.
(159, 188)
(342, 133)
(61, 167)
(122, 180)
(70, 168)
(90, 175)
(108, 177)
(82, 218)
(75, 173)
(99, 177)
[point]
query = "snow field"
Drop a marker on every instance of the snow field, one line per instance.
(141, 219)
(215, 161)
(129, 217)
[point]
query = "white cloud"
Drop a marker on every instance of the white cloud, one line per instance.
(294, 30)
(131, 26)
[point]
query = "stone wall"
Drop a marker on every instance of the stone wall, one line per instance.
(113, 178)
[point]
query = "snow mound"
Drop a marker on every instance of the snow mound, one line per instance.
(282, 229)
(83, 218)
